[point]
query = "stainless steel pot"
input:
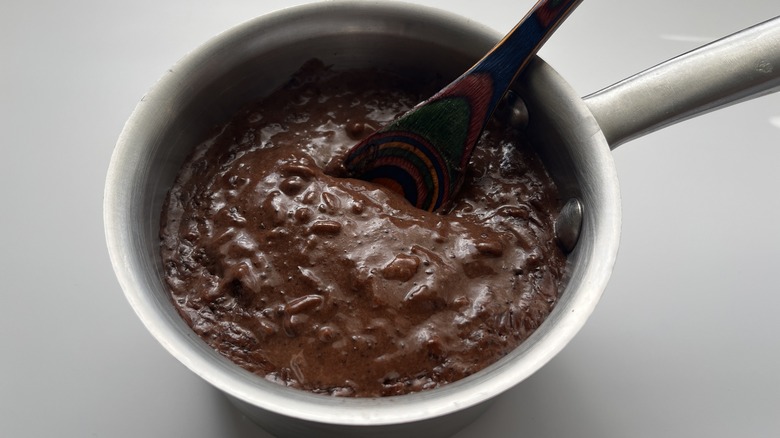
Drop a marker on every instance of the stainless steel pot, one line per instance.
(574, 137)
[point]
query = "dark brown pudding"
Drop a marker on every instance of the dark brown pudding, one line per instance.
(339, 286)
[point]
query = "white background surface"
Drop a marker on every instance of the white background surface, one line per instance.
(685, 342)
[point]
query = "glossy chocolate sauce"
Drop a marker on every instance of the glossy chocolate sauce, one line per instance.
(341, 287)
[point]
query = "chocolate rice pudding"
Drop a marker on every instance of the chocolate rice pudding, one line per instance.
(339, 286)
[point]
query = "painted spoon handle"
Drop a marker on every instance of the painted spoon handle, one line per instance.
(424, 153)
(510, 56)
(492, 75)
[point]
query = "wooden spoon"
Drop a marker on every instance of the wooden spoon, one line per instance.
(424, 153)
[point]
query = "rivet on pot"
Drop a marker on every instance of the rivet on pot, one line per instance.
(568, 224)
(512, 110)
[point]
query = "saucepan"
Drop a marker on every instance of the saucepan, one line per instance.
(573, 135)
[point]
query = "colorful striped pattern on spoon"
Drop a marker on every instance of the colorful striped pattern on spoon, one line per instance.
(424, 153)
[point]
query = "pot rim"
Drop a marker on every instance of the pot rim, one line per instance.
(127, 161)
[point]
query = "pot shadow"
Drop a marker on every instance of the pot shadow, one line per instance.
(554, 402)
(233, 424)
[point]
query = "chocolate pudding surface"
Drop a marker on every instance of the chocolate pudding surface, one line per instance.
(340, 286)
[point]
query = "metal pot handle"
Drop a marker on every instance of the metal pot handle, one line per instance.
(739, 67)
